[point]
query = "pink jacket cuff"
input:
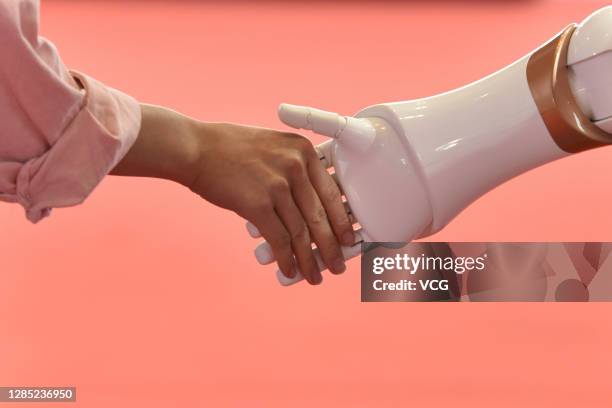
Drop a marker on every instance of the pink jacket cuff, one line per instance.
(96, 139)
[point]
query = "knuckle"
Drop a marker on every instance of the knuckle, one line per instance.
(281, 241)
(278, 186)
(307, 264)
(301, 234)
(341, 220)
(302, 143)
(330, 192)
(258, 208)
(295, 165)
(329, 247)
(318, 216)
(330, 251)
(305, 147)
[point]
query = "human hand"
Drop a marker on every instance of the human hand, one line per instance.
(357, 134)
(273, 179)
(276, 181)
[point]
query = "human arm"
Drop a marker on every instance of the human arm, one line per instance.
(271, 178)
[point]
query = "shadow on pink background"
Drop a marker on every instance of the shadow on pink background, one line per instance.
(148, 296)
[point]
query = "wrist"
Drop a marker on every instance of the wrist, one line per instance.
(185, 161)
(168, 146)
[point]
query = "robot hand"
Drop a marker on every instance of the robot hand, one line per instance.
(408, 168)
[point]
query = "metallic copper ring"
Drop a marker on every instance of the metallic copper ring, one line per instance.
(548, 79)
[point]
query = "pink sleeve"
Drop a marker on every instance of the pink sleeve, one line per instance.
(61, 131)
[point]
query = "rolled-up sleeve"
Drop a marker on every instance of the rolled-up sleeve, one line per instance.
(61, 132)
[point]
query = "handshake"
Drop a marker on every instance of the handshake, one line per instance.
(408, 168)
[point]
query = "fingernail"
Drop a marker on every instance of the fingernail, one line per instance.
(316, 278)
(338, 266)
(348, 238)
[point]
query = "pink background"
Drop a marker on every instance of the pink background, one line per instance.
(148, 296)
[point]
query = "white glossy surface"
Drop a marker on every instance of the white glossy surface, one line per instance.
(319, 121)
(263, 253)
(592, 84)
(592, 37)
(471, 139)
(357, 134)
(252, 230)
(590, 61)
(605, 124)
(381, 183)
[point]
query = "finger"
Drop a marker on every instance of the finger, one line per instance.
(348, 253)
(252, 230)
(331, 198)
(349, 212)
(295, 224)
(334, 177)
(302, 117)
(279, 242)
(263, 252)
(316, 218)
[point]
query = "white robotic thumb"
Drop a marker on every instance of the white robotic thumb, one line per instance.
(352, 132)
(301, 117)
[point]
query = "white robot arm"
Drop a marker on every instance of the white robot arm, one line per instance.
(408, 168)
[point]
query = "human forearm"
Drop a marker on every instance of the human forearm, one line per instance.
(167, 147)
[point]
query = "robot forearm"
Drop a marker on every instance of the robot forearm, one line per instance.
(408, 168)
